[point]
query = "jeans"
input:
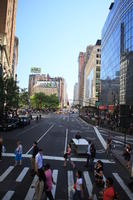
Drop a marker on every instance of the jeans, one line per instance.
(77, 195)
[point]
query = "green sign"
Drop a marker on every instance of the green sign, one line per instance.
(35, 70)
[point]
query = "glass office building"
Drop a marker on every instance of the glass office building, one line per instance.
(117, 55)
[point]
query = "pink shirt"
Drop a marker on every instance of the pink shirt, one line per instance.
(48, 174)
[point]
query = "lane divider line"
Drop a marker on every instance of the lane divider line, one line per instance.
(66, 141)
(70, 184)
(31, 191)
(100, 138)
(41, 137)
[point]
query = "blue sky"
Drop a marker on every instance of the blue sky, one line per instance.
(52, 33)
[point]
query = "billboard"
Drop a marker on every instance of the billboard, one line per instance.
(35, 70)
(47, 84)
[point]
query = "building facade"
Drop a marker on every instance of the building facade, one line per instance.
(47, 85)
(15, 58)
(82, 60)
(117, 55)
(92, 76)
(75, 96)
(7, 34)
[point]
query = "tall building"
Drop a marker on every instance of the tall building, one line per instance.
(92, 76)
(82, 60)
(15, 58)
(117, 55)
(7, 34)
(75, 94)
(48, 85)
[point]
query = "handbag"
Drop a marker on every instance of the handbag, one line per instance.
(65, 155)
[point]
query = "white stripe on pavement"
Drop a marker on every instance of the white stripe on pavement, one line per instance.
(31, 191)
(89, 184)
(100, 138)
(6, 173)
(41, 137)
(59, 158)
(55, 175)
(124, 187)
(70, 184)
(22, 174)
(66, 141)
(8, 195)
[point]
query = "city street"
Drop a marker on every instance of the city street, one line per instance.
(53, 132)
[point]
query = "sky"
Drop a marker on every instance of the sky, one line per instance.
(52, 33)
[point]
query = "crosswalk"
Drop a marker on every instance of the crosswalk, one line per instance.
(29, 194)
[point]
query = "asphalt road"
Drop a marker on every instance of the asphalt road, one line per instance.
(53, 132)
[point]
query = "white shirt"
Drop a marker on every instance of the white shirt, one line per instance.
(89, 148)
(79, 182)
(19, 149)
(39, 160)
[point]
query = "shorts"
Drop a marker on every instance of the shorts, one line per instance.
(18, 157)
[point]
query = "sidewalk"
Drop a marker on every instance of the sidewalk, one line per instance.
(118, 154)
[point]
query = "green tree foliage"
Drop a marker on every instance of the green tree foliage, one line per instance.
(23, 98)
(42, 101)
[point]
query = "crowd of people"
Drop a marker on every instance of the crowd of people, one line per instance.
(44, 183)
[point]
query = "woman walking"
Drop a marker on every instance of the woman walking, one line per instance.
(78, 195)
(68, 156)
(18, 153)
(49, 182)
(128, 155)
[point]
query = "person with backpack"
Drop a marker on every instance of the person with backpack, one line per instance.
(34, 153)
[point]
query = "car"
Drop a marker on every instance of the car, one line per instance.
(8, 124)
(24, 120)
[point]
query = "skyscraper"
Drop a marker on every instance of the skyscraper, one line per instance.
(7, 33)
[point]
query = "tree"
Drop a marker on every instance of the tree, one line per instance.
(42, 101)
(24, 98)
(2, 96)
(12, 94)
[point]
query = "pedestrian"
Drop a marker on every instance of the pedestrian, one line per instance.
(128, 155)
(49, 182)
(88, 154)
(18, 153)
(78, 186)
(1, 145)
(67, 156)
(34, 153)
(93, 155)
(39, 162)
(108, 193)
(109, 145)
(39, 186)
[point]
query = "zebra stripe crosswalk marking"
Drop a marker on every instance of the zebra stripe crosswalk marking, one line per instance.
(89, 184)
(8, 195)
(55, 175)
(31, 190)
(70, 184)
(22, 174)
(6, 173)
(122, 184)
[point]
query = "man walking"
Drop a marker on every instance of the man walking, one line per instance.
(34, 153)
(39, 162)
(88, 154)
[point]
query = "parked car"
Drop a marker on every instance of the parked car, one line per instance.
(9, 124)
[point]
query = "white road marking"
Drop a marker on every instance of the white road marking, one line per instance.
(22, 174)
(124, 187)
(41, 137)
(59, 158)
(89, 184)
(8, 195)
(6, 173)
(28, 129)
(70, 184)
(66, 141)
(31, 190)
(100, 137)
(55, 175)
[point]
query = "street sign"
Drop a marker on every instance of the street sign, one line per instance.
(35, 70)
